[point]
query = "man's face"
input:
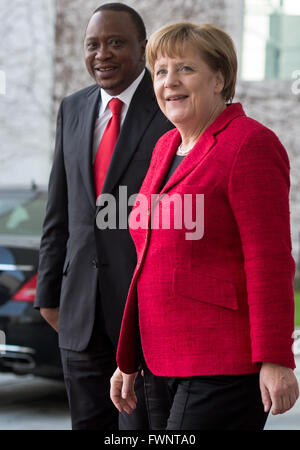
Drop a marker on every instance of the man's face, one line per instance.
(114, 54)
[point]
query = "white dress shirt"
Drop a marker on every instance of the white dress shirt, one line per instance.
(105, 113)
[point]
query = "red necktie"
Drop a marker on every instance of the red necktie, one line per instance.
(107, 144)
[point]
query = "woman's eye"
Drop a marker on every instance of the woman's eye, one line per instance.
(187, 69)
(161, 72)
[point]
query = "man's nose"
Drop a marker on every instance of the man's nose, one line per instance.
(103, 52)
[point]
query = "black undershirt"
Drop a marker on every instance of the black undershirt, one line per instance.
(175, 163)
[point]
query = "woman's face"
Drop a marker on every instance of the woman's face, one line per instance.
(187, 90)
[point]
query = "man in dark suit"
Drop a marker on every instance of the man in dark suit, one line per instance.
(84, 271)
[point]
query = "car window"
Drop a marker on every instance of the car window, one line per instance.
(22, 213)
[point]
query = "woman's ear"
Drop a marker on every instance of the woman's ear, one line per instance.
(220, 82)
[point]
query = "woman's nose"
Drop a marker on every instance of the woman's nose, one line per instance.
(171, 79)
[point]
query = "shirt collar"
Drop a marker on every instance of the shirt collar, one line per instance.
(125, 96)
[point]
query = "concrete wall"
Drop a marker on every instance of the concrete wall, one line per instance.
(73, 15)
(26, 59)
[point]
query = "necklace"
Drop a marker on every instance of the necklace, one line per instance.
(212, 117)
(181, 152)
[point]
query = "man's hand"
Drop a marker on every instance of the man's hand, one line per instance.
(279, 388)
(51, 316)
(122, 391)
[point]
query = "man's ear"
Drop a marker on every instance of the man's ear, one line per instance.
(143, 48)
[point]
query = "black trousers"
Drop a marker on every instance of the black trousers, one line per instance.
(87, 379)
(219, 402)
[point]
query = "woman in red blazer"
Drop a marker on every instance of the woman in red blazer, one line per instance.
(210, 312)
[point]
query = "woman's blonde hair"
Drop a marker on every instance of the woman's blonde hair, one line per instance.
(214, 45)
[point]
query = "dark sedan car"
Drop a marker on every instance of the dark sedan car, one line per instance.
(28, 345)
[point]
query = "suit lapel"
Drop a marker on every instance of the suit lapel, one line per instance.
(201, 150)
(195, 157)
(166, 156)
(87, 119)
(140, 113)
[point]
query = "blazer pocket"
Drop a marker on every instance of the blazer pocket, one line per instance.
(204, 288)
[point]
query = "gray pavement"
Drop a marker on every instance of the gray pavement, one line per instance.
(30, 403)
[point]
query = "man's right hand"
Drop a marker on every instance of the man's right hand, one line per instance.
(51, 316)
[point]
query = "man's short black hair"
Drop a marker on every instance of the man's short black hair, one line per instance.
(137, 20)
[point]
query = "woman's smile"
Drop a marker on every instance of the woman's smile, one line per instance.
(176, 98)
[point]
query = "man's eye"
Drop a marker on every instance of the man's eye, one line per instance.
(116, 42)
(91, 45)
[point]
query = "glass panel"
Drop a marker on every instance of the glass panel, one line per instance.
(271, 41)
(22, 213)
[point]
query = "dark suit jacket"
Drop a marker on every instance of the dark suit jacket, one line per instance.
(70, 265)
